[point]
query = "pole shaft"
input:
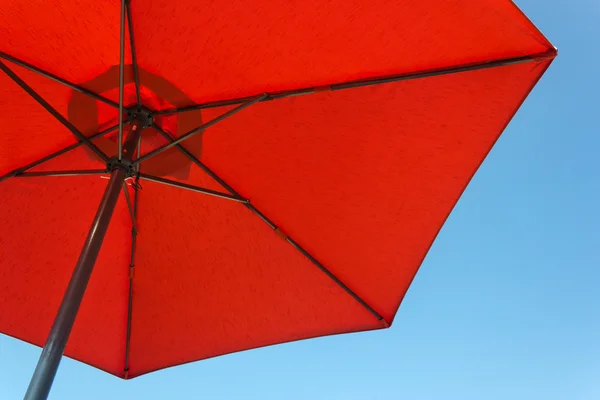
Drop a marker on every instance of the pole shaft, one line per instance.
(42, 379)
(43, 376)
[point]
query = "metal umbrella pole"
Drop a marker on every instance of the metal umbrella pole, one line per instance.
(43, 376)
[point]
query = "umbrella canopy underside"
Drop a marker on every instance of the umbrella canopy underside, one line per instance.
(336, 191)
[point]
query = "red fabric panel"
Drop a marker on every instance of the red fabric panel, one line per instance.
(27, 131)
(218, 52)
(211, 278)
(364, 178)
(44, 225)
(75, 40)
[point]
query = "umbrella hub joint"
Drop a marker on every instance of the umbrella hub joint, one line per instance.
(142, 114)
(124, 164)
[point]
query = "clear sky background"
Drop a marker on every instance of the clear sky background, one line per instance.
(506, 304)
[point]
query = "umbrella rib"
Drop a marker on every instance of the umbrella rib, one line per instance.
(364, 82)
(55, 154)
(57, 79)
(277, 230)
(52, 111)
(136, 77)
(134, 233)
(196, 161)
(192, 188)
(129, 204)
(121, 79)
(200, 128)
(74, 172)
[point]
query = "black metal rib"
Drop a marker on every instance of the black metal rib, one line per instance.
(251, 207)
(57, 79)
(139, 151)
(358, 83)
(121, 79)
(136, 77)
(199, 129)
(134, 233)
(195, 107)
(54, 155)
(332, 277)
(221, 182)
(129, 204)
(52, 111)
(75, 172)
(193, 188)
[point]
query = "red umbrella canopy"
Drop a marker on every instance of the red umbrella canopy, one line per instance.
(352, 129)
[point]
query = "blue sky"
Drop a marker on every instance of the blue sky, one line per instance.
(506, 305)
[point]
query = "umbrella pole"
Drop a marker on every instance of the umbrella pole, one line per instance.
(43, 376)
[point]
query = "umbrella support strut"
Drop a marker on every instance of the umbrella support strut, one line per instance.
(43, 376)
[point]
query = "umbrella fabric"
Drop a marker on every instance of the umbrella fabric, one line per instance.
(354, 183)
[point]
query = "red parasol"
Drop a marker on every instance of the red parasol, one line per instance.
(284, 166)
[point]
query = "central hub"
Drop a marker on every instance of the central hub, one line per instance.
(142, 114)
(124, 164)
(139, 120)
(141, 105)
